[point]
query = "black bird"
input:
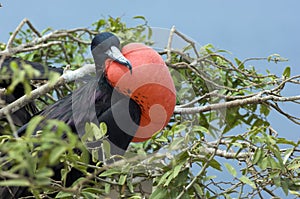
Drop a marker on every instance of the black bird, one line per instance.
(24, 114)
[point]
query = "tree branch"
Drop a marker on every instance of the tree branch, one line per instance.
(239, 102)
(66, 77)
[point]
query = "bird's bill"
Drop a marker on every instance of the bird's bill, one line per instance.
(115, 54)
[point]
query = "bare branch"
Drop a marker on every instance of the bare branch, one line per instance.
(192, 43)
(39, 46)
(169, 45)
(206, 95)
(19, 27)
(275, 106)
(239, 102)
(39, 42)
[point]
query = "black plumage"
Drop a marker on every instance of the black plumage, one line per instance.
(24, 114)
(94, 102)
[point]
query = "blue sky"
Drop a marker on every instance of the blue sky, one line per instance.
(246, 29)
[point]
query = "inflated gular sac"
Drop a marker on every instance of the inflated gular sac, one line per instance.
(149, 84)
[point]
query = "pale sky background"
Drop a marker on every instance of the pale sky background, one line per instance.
(254, 28)
(245, 28)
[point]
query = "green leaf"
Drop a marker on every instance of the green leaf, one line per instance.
(53, 78)
(103, 128)
(110, 172)
(287, 155)
(159, 193)
(257, 155)
(30, 71)
(135, 197)
(107, 188)
(264, 109)
(99, 24)
(140, 17)
(272, 163)
(122, 179)
(93, 131)
(93, 190)
(285, 141)
(164, 177)
(46, 30)
(246, 180)
(56, 153)
(277, 181)
(161, 139)
(239, 63)
(208, 178)
(263, 164)
(285, 186)
(198, 189)
(178, 128)
(106, 148)
(15, 182)
(170, 178)
(231, 169)
(88, 134)
(130, 186)
(27, 87)
(95, 154)
(176, 143)
(201, 129)
(44, 172)
(215, 164)
(177, 169)
(32, 125)
(89, 195)
(62, 194)
(295, 165)
(287, 72)
(296, 193)
(97, 131)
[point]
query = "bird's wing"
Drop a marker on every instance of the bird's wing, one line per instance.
(99, 103)
(122, 120)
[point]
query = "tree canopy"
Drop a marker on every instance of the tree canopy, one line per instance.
(218, 144)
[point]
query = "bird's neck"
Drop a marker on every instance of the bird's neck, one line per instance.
(103, 80)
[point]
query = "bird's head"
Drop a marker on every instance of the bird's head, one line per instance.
(107, 46)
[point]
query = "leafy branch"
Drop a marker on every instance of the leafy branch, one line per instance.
(215, 97)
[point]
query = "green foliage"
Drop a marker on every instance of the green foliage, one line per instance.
(181, 160)
(126, 35)
(93, 132)
(31, 158)
(21, 76)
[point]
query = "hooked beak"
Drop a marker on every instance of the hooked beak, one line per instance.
(115, 54)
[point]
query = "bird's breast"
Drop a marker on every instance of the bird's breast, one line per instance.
(150, 85)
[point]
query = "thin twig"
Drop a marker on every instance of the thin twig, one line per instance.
(192, 43)
(206, 95)
(235, 103)
(169, 45)
(14, 34)
(204, 167)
